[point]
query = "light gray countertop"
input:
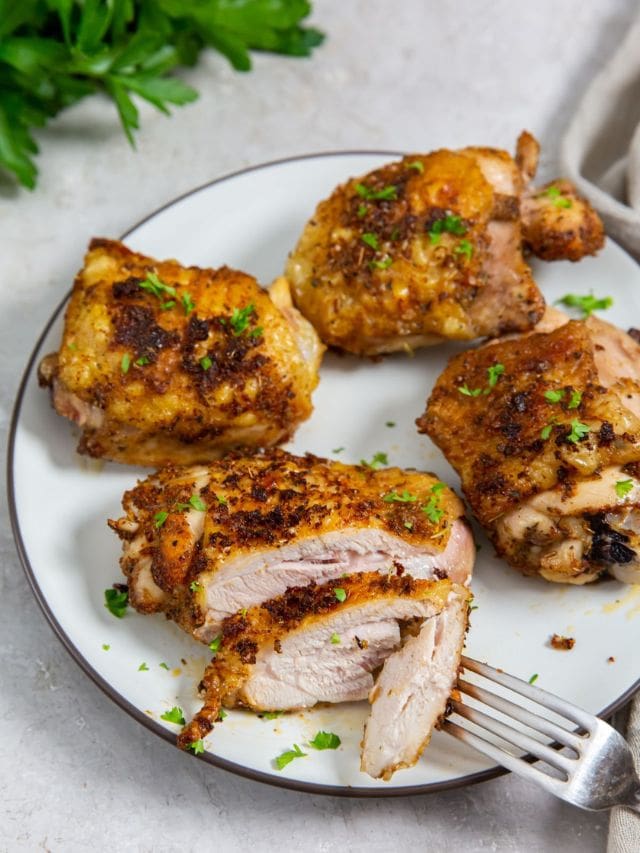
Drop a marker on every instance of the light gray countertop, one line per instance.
(77, 773)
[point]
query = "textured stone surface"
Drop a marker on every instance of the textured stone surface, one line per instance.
(77, 773)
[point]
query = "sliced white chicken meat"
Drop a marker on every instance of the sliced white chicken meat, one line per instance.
(201, 544)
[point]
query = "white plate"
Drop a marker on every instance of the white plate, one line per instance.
(60, 503)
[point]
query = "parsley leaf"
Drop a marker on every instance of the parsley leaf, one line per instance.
(239, 320)
(214, 645)
(159, 518)
(335, 639)
(449, 224)
(175, 715)
(623, 487)
(469, 392)
(197, 503)
(143, 667)
(418, 165)
(494, 373)
(545, 432)
(576, 399)
(389, 193)
(383, 264)
(586, 304)
(197, 747)
(432, 510)
(533, 678)
(205, 362)
(553, 396)
(404, 497)
(555, 194)
(105, 647)
(116, 602)
(340, 594)
(379, 459)
(288, 756)
(271, 715)
(390, 424)
(187, 303)
(325, 740)
(194, 586)
(153, 285)
(370, 240)
(125, 363)
(465, 248)
(578, 431)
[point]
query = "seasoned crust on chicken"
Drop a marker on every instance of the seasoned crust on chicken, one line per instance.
(421, 250)
(542, 455)
(275, 520)
(430, 248)
(283, 654)
(164, 363)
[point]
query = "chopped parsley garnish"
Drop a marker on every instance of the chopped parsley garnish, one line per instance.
(140, 362)
(105, 647)
(586, 304)
(432, 510)
(197, 747)
(623, 487)
(340, 594)
(116, 602)
(408, 525)
(379, 459)
(438, 487)
(157, 288)
(337, 449)
(362, 210)
(271, 715)
(403, 498)
(222, 715)
(555, 194)
(335, 639)
(256, 333)
(395, 234)
(370, 240)
(494, 373)
(189, 305)
(533, 678)
(159, 518)
(390, 424)
(554, 396)
(243, 612)
(418, 165)
(384, 264)
(389, 193)
(205, 362)
(73, 346)
(143, 667)
(175, 715)
(164, 665)
(239, 320)
(214, 645)
(325, 740)
(125, 363)
(578, 431)
(576, 399)
(194, 586)
(469, 392)
(465, 248)
(165, 306)
(288, 756)
(197, 503)
(221, 500)
(545, 432)
(450, 224)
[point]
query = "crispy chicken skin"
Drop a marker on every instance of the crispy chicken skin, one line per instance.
(549, 455)
(202, 543)
(430, 248)
(164, 363)
(323, 643)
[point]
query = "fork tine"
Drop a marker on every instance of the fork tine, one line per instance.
(511, 762)
(518, 739)
(536, 694)
(517, 712)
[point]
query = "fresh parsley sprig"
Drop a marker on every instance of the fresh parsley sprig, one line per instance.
(53, 53)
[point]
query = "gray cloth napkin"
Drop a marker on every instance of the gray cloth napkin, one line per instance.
(600, 154)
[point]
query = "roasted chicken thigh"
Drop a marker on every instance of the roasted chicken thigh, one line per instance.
(325, 643)
(163, 363)
(544, 430)
(430, 248)
(202, 543)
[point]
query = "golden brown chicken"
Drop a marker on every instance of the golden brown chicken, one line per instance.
(431, 248)
(203, 543)
(544, 431)
(163, 363)
(326, 644)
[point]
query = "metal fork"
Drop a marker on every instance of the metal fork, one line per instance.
(590, 766)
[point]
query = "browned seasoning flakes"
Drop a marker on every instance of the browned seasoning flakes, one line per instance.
(564, 644)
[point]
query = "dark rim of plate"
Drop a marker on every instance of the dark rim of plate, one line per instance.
(102, 683)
